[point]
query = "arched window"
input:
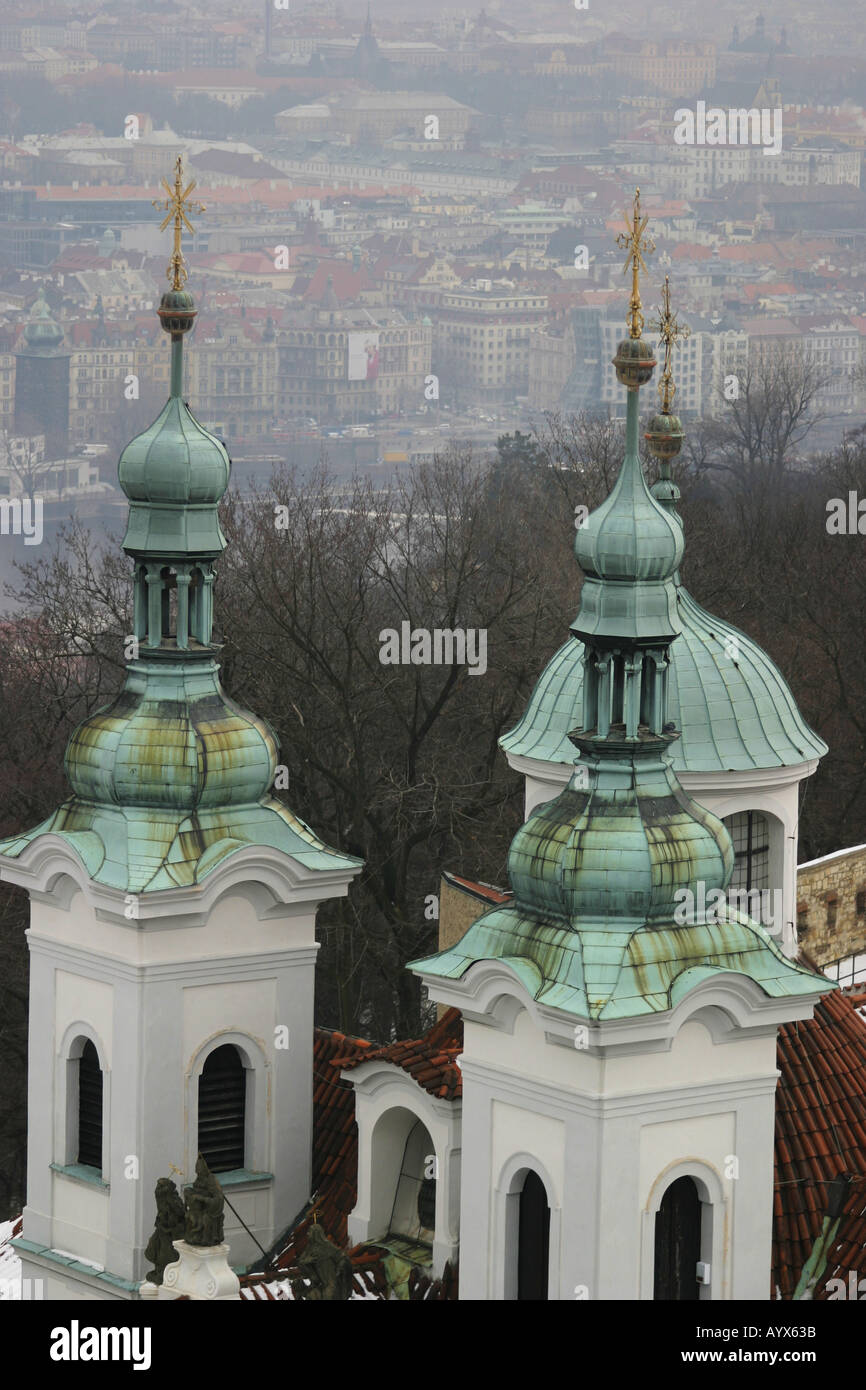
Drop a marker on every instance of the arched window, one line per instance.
(533, 1241)
(89, 1108)
(678, 1243)
(222, 1103)
(414, 1211)
(750, 832)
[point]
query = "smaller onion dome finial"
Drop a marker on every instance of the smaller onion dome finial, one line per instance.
(635, 359)
(665, 434)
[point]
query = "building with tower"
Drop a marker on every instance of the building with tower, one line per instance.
(744, 750)
(620, 1053)
(173, 902)
(42, 380)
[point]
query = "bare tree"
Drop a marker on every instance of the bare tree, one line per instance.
(751, 445)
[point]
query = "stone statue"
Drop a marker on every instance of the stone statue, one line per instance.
(168, 1228)
(327, 1268)
(204, 1208)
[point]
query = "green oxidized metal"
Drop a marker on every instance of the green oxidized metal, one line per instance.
(173, 776)
(730, 702)
(42, 333)
(634, 362)
(664, 436)
(599, 926)
(629, 550)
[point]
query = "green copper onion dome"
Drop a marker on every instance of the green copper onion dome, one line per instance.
(173, 775)
(172, 739)
(176, 471)
(732, 705)
(617, 843)
(629, 537)
(611, 877)
(42, 332)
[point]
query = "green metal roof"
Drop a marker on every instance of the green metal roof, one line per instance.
(734, 713)
(172, 739)
(174, 475)
(621, 846)
(629, 537)
(173, 777)
(143, 849)
(42, 332)
(596, 970)
(604, 873)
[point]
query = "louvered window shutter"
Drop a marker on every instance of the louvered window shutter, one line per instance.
(90, 1108)
(222, 1110)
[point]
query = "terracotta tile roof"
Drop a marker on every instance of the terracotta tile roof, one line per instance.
(348, 282)
(820, 1133)
(431, 1060)
(486, 891)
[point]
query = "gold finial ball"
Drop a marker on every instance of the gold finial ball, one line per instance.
(177, 312)
(665, 436)
(634, 363)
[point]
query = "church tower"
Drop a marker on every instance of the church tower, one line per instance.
(619, 1060)
(173, 902)
(744, 750)
(42, 380)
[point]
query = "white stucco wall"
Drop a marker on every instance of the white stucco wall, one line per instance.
(607, 1133)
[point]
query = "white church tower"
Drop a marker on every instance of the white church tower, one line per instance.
(173, 902)
(744, 750)
(619, 1059)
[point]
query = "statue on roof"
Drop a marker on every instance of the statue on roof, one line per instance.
(325, 1269)
(204, 1208)
(168, 1228)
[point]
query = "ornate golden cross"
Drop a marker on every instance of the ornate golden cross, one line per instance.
(637, 245)
(671, 332)
(176, 206)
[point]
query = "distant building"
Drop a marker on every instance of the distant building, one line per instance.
(482, 339)
(340, 365)
(373, 117)
(674, 66)
(42, 381)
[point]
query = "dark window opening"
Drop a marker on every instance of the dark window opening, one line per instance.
(222, 1089)
(427, 1203)
(678, 1243)
(533, 1250)
(89, 1108)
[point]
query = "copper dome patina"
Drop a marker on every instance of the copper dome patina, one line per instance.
(172, 739)
(42, 333)
(612, 877)
(173, 776)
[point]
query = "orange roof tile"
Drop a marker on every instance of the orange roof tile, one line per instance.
(820, 1133)
(431, 1060)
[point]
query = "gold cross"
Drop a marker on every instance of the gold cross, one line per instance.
(636, 245)
(671, 332)
(175, 207)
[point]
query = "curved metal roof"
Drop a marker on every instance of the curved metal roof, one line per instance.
(730, 702)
